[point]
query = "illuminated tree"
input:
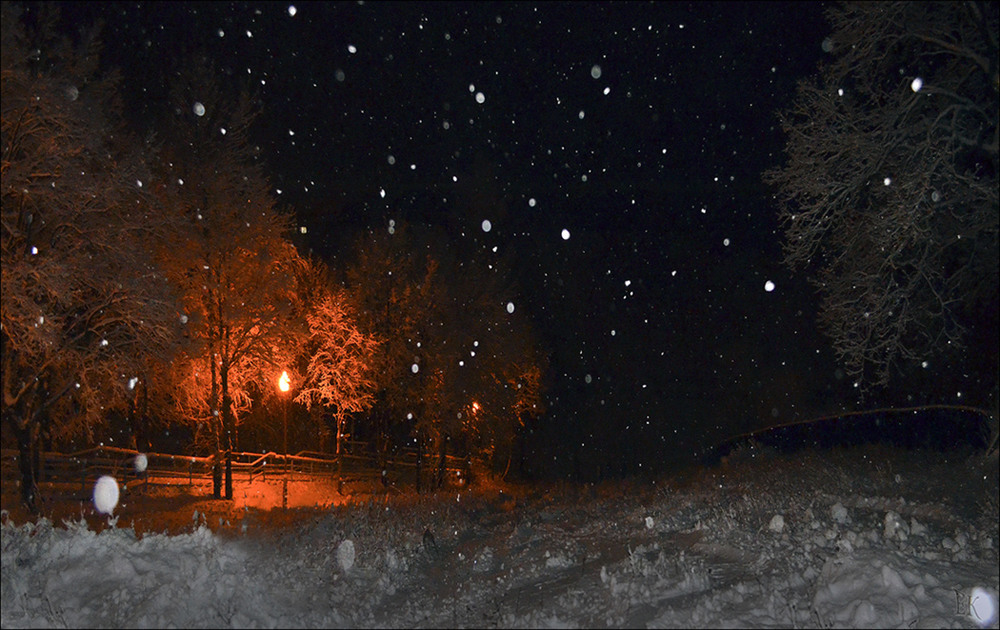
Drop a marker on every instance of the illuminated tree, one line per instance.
(235, 267)
(84, 307)
(889, 196)
(340, 358)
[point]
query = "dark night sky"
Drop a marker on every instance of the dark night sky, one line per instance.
(642, 129)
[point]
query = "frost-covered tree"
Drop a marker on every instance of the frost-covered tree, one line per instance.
(234, 265)
(890, 194)
(339, 357)
(84, 306)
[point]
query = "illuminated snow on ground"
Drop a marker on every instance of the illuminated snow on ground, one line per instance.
(831, 540)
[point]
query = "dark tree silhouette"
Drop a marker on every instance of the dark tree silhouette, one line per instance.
(890, 195)
(84, 307)
(454, 365)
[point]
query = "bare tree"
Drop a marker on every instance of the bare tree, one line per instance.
(890, 193)
(235, 266)
(340, 358)
(83, 304)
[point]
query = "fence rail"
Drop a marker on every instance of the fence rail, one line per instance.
(87, 465)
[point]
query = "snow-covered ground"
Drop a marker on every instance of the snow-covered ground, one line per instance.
(863, 538)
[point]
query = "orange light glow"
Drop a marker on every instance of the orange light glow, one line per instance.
(284, 383)
(475, 407)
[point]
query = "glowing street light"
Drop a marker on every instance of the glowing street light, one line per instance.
(284, 384)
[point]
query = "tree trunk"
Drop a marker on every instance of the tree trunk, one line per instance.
(340, 422)
(138, 418)
(420, 459)
(441, 461)
(213, 411)
(227, 427)
(29, 488)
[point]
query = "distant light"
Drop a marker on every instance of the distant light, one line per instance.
(414, 368)
(725, 242)
(887, 181)
(595, 71)
(284, 383)
(302, 229)
(487, 225)
(351, 49)
(917, 84)
(480, 98)
(532, 202)
(581, 114)
(769, 286)
(510, 307)
(199, 109)
(291, 9)
(34, 250)
(141, 463)
(565, 234)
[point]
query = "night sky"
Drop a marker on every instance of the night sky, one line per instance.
(642, 129)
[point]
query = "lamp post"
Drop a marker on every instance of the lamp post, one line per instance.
(284, 384)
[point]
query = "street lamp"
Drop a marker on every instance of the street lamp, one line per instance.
(284, 384)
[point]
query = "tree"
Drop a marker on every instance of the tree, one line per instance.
(84, 306)
(235, 267)
(454, 365)
(339, 357)
(890, 193)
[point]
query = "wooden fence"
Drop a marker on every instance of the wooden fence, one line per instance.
(86, 466)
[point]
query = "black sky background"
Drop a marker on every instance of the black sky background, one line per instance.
(662, 337)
